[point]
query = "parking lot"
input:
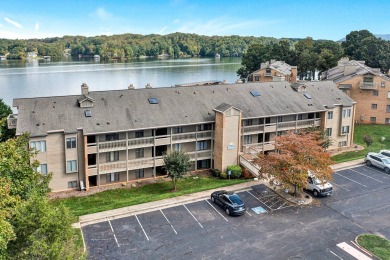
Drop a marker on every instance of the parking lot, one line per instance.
(268, 229)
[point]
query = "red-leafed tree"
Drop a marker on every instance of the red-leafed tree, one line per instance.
(294, 156)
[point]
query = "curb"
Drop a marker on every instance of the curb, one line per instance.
(146, 209)
(363, 249)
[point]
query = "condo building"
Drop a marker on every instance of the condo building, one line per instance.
(103, 137)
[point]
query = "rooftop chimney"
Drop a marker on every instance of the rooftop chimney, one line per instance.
(131, 86)
(148, 85)
(84, 89)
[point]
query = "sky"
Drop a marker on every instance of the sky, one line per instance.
(321, 19)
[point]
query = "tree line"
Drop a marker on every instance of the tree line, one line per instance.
(313, 56)
(133, 46)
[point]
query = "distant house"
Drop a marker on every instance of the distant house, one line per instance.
(367, 86)
(274, 71)
(32, 54)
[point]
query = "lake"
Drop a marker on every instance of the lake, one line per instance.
(37, 78)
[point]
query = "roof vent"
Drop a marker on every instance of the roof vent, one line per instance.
(88, 113)
(307, 96)
(131, 86)
(84, 89)
(153, 100)
(148, 85)
(255, 93)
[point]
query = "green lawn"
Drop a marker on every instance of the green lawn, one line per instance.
(376, 132)
(375, 244)
(118, 198)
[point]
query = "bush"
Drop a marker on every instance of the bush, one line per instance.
(235, 171)
(215, 172)
(223, 175)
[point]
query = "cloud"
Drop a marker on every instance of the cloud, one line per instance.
(176, 21)
(37, 27)
(102, 13)
(1, 25)
(222, 26)
(16, 24)
(162, 30)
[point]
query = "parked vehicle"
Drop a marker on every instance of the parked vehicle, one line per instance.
(385, 152)
(230, 203)
(378, 160)
(318, 187)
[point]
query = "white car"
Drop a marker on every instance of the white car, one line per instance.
(319, 188)
(378, 160)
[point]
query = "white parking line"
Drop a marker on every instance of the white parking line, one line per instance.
(216, 210)
(248, 213)
(350, 179)
(366, 176)
(142, 227)
(335, 255)
(116, 240)
(353, 252)
(168, 221)
(338, 185)
(259, 200)
(193, 216)
(376, 170)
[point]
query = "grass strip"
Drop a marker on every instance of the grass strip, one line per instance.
(376, 245)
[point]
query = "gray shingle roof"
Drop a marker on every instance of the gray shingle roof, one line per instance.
(338, 76)
(120, 110)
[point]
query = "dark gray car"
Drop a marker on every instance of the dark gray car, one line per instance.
(230, 203)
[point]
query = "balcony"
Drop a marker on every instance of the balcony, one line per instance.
(92, 170)
(141, 163)
(204, 135)
(182, 138)
(200, 155)
(286, 125)
(253, 129)
(112, 146)
(268, 74)
(270, 128)
(368, 85)
(163, 141)
(112, 167)
(141, 142)
(91, 149)
(308, 123)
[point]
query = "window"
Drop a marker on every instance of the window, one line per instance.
(112, 177)
(202, 145)
(346, 113)
(374, 106)
(139, 153)
(330, 114)
(257, 78)
(112, 137)
(139, 173)
(343, 143)
(328, 131)
(38, 146)
(345, 129)
(261, 121)
(280, 119)
(375, 93)
(247, 139)
(139, 134)
(299, 117)
(71, 166)
(368, 80)
(383, 84)
(204, 127)
(177, 147)
(71, 142)
(203, 164)
(388, 108)
(247, 122)
(388, 94)
(279, 133)
(373, 119)
(179, 130)
(267, 71)
(112, 156)
(387, 120)
(72, 184)
(42, 169)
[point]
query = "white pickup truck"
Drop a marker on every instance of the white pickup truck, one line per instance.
(318, 187)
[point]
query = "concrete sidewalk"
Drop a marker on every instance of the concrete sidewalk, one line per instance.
(161, 204)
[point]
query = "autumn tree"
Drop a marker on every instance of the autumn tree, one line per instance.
(176, 163)
(294, 155)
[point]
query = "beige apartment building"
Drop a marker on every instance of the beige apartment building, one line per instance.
(367, 86)
(104, 137)
(274, 70)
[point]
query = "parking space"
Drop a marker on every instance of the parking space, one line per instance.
(358, 180)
